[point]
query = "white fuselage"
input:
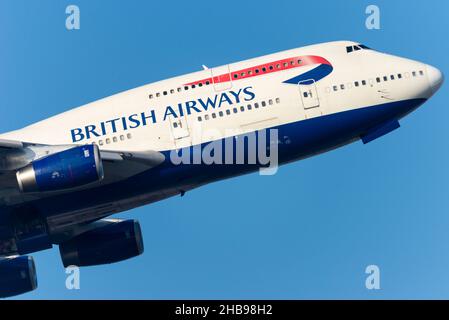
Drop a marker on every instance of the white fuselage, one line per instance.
(362, 66)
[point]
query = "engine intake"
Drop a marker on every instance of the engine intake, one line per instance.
(67, 169)
(116, 241)
(17, 276)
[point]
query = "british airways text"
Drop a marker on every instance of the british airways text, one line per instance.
(145, 118)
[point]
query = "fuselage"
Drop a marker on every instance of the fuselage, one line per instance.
(317, 97)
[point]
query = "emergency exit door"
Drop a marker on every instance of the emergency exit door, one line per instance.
(309, 94)
(180, 130)
(221, 78)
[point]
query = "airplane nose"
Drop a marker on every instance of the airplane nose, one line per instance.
(436, 78)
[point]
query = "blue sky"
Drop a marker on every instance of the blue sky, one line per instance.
(307, 232)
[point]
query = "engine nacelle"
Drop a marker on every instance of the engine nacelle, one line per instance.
(116, 241)
(17, 276)
(67, 169)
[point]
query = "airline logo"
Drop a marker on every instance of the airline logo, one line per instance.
(323, 69)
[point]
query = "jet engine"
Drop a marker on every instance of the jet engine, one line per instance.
(67, 169)
(115, 241)
(17, 276)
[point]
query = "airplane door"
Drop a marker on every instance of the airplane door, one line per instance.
(309, 94)
(221, 78)
(179, 129)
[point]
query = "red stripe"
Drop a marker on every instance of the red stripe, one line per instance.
(275, 66)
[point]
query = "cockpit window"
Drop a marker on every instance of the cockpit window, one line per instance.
(358, 47)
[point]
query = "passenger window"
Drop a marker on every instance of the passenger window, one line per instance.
(128, 135)
(242, 108)
(100, 142)
(378, 79)
(179, 89)
(235, 110)
(151, 96)
(414, 73)
(249, 107)
(220, 113)
(264, 103)
(200, 119)
(158, 94)
(206, 117)
(165, 93)
(342, 86)
(392, 77)
(399, 76)
(335, 88)
(256, 105)
(214, 115)
(305, 94)
(385, 78)
(421, 72)
(108, 141)
(278, 100)
(175, 124)
(114, 139)
(172, 91)
(270, 102)
(356, 83)
(228, 112)
(264, 69)
(122, 137)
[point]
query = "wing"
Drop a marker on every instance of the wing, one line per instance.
(118, 165)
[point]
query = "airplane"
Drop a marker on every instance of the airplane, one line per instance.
(62, 178)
